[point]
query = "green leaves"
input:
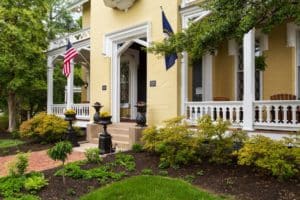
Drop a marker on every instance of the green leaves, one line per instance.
(228, 19)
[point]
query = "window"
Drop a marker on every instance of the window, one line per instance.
(240, 73)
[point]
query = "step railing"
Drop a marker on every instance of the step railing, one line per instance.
(231, 111)
(277, 114)
(82, 110)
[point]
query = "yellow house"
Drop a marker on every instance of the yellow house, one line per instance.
(119, 72)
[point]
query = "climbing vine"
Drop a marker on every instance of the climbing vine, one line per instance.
(228, 19)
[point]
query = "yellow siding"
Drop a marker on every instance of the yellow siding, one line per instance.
(279, 76)
(86, 15)
(223, 73)
(163, 100)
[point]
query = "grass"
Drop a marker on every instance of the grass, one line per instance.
(150, 188)
(5, 143)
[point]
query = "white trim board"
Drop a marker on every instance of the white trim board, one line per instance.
(131, 33)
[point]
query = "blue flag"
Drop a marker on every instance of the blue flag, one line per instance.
(167, 29)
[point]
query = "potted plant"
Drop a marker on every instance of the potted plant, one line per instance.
(97, 107)
(70, 113)
(141, 114)
(105, 139)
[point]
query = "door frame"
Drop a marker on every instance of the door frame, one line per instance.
(132, 56)
(112, 49)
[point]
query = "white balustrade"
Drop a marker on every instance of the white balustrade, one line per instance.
(82, 110)
(73, 37)
(58, 109)
(185, 3)
(231, 111)
(277, 114)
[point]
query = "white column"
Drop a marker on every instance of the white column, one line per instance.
(184, 81)
(70, 86)
(207, 64)
(249, 74)
(49, 84)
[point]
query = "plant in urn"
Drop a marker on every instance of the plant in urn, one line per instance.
(70, 116)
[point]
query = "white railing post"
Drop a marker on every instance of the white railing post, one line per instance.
(49, 84)
(249, 69)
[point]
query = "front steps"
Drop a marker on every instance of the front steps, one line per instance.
(124, 135)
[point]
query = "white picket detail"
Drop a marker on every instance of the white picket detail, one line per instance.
(277, 114)
(227, 110)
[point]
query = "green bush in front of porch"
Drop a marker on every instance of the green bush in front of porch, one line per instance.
(179, 144)
(44, 128)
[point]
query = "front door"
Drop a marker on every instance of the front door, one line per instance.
(128, 87)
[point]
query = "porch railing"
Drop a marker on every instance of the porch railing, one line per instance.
(77, 36)
(277, 114)
(228, 110)
(272, 115)
(82, 110)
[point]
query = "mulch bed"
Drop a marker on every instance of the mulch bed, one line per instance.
(241, 182)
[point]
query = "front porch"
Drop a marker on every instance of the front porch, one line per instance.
(70, 95)
(227, 83)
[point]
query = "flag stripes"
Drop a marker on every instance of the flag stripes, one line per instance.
(70, 54)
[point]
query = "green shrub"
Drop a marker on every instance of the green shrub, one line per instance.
(11, 185)
(35, 183)
(60, 152)
(126, 161)
(147, 172)
(93, 155)
(273, 156)
(18, 167)
(137, 148)
(216, 142)
(45, 128)
(24, 197)
(163, 173)
(175, 143)
(3, 122)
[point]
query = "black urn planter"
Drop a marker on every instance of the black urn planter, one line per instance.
(141, 114)
(105, 142)
(71, 135)
(97, 107)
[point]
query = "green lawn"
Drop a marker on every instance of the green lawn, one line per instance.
(5, 143)
(150, 188)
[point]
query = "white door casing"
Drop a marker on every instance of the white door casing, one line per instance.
(113, 49)
(132, 57)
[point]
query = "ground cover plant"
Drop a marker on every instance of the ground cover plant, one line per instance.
(150, 188)
(6, 143)
(18, 185)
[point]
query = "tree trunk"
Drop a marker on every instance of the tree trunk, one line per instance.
(12, 111)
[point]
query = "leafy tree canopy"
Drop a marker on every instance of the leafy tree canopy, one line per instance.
(229, 19)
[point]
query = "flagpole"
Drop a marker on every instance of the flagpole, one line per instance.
(70, 86)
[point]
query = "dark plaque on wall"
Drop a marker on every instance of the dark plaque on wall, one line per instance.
(104, 87)
(153, 83)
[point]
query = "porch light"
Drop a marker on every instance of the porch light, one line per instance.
(119, 4)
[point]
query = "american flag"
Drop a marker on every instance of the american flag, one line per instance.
(69, 55)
